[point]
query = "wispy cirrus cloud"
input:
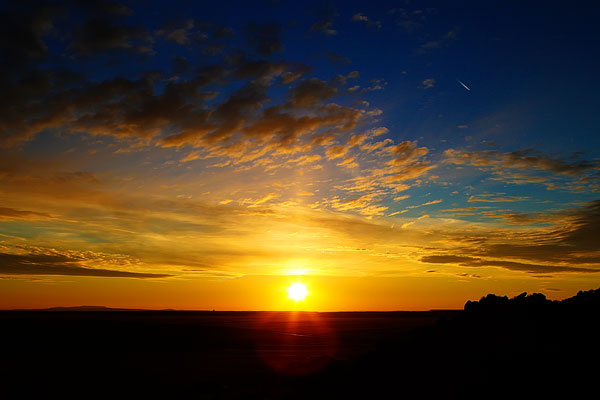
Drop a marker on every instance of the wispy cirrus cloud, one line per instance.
(490, 198)
(426, 204)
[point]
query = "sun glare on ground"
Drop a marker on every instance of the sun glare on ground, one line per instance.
(297, 291)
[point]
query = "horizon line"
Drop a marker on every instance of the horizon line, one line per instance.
(121, 309)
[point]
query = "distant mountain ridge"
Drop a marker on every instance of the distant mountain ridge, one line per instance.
(85, 308)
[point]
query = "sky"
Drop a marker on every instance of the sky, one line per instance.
(390, 155)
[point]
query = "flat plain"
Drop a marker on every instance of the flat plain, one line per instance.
(496, 347)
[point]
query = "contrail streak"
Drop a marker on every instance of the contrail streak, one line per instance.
(463, 85)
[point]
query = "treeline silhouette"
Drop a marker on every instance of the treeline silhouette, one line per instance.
(497, 347)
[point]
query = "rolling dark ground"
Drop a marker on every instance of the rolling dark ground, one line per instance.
(495, 348)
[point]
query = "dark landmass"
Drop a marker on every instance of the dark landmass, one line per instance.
(84, 308)
(524, 347)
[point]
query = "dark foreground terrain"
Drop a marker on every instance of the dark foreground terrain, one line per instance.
(525, 347)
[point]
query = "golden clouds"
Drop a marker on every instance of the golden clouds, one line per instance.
(311, 92)
(237, 162)
(403, 197)
(348, 163)
(363, 204)
(258, 226)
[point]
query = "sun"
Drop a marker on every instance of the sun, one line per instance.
(297, 291)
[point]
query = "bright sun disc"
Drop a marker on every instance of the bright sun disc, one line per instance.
(297, 291)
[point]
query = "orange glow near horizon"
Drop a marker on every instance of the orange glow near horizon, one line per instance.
(266, 292)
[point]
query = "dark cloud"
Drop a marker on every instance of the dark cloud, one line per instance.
(409, 19)
(297, 71)
(24, 27)
(464, 261)
(446, 259)
(572, 242)
(529, 159)
(522, 159)
(586, 228)
(98, 35)
(119, 107)
(342, 80)
(519, 218)
(103, 30)
(324, 23)
(182, 33)
(262, 71)
(220, 108)
(142, 109)
(360, 17)
(285, 128)
(222, 32)
(532, 268)
(449, 36)
(265, 39)
(208, 38)
(213, 49)
(180, 65)
(7, 213)
(58, 264)
(574, 239)
(105, 7)
(311, 92)
(335, 58)
(277, 125)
